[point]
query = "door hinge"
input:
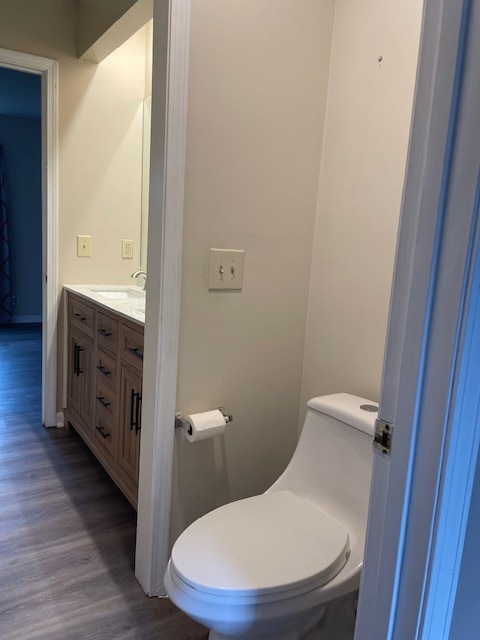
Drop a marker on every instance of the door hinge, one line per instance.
(382, 442)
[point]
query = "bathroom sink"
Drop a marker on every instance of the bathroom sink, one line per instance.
(128, 300)
(121, 293)
(138, 313)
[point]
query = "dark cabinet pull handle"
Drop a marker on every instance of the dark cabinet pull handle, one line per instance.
(136, 352)
(101, 399)
(135, 399)
(79, 350)
(76, 360)
(132, 401)
(80, 317)
(102, 432)
(104, 333)
(137, 414)
(102, 369)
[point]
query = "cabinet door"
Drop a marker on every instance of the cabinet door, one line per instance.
(80, 356)
(130, 423)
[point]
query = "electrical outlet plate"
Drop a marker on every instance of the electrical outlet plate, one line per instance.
(84, 246)
(226, 269)
(127, 249)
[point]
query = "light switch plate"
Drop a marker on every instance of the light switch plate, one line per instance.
(84, 246)
(226, 269)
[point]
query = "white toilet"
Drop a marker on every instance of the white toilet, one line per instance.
(266, 567)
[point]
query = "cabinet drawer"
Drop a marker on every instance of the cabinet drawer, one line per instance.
(82, 316)
(106, 433)
(131, 346)
(107, 331)
(106, 369)
(105, 399)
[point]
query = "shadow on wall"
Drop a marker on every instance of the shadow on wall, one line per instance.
(207, 466)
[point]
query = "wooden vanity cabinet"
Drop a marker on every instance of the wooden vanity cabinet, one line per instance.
(130, 423)
(80, 358)
(105, 362)
(131, 352)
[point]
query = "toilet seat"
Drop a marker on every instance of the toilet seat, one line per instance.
(275, 543)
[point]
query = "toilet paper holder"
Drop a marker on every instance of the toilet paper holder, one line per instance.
(180, 421)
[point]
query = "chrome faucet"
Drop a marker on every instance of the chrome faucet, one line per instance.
(136, 274)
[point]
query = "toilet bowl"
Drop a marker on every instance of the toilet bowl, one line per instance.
(266, 567)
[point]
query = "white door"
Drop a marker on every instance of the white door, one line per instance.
(421, 494)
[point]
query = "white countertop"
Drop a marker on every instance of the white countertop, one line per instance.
(132, 307)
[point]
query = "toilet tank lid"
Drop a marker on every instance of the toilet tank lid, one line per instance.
(347, 409)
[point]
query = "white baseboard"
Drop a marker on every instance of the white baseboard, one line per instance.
(60, 420)
(26, 319)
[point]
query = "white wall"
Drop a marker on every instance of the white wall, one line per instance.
(361, 181)
(257, 93)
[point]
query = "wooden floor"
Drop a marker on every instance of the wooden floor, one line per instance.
(67, 535)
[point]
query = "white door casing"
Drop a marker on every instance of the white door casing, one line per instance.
(171, 35)
(431, 306)
(48, 70)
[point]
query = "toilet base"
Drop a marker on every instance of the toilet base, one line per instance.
(337, 621)
(213, 635)
(302, 631)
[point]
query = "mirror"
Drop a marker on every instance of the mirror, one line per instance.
(129, 70)
(147, 118)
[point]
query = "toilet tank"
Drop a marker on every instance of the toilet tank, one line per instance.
(332, 464)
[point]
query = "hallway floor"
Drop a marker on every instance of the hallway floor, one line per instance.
(67, 535)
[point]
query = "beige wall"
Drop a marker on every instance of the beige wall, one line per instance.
(257, 92)
(104, 25)
(148, 57)
(95, 17)
(257, 97)
(101, 166)
(46, 29)
(100, 137)
(361, 180)
(100, 140)
(101, 171)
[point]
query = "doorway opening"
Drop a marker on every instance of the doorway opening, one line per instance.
(21, 246)
(45, 72)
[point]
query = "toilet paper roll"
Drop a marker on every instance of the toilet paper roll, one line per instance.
(200, 426)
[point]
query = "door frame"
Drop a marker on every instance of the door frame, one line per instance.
(171, 38)
(48, 70)
(431, 309)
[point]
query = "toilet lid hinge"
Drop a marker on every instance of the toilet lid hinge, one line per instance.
(382, 441)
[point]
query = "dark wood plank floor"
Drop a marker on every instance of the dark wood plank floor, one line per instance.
(67, 535)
